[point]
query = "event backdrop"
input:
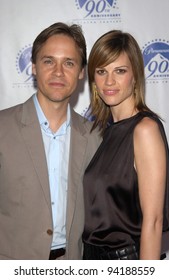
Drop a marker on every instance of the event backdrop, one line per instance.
(147, 20)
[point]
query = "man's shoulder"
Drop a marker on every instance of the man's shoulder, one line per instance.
(85, 126)
(81, 121)
(7, 112)
(14, 107)
(14, 111)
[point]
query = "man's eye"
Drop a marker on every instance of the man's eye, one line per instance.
(69, 63)
(47, 61)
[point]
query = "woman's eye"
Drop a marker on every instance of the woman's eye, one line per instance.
(100, 71)
(120, 71)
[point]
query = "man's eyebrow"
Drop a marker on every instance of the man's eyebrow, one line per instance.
(52, 57)
(47, 56)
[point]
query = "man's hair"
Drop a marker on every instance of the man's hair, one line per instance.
(74, 31)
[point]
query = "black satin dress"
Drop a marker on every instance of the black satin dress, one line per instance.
(113, 215)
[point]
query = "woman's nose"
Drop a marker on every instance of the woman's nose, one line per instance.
(110, 79)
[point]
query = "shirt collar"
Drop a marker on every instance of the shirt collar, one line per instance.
(42, 118)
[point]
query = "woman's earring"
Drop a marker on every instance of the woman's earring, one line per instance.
(95, 92)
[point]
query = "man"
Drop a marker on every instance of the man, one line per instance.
(44, 149)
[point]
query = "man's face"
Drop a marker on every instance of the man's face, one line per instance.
(57, 69)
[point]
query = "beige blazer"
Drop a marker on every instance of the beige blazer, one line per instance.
(25, 204)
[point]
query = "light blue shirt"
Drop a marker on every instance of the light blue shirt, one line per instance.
(57, 155)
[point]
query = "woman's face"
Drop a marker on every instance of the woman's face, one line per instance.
(115, 81)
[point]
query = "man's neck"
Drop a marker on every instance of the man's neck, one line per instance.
(55, 112)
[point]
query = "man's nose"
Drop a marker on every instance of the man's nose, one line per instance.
(58, 70)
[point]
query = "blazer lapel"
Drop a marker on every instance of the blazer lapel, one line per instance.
(78, 146)
(32, 136)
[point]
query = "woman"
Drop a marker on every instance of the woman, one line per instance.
(125, 183)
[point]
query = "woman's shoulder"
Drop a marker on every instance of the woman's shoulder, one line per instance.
(147, 126)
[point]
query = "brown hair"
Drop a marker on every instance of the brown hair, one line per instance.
(106, 50)
(74, 31)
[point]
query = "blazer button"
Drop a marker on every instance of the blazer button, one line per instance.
(49, 232)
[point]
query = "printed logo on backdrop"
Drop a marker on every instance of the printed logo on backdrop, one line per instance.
(156, 61)
(24, 68)
(86, 113)
(98, 11)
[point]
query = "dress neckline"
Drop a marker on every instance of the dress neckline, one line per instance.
(126, 119)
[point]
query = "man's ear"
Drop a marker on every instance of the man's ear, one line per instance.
(81, 74)
(33, 69)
